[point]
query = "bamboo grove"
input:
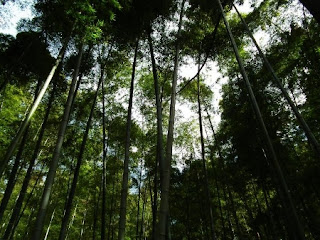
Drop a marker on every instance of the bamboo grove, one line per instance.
(104, 134)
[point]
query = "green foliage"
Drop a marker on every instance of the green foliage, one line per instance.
(246, 200)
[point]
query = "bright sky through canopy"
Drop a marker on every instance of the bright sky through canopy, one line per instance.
(11, 13)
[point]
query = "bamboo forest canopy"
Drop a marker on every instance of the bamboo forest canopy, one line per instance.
(172, 119)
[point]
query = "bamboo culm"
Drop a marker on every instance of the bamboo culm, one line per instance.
(204, 168)
(284, 91)
(68, 208)
(23, 191)
(296, 225)
(160, 154)
(125, 176)
(104, 165)
(54, 162)
(165, 184)
(35, 105)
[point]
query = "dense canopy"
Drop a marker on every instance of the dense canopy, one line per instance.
(171, 119)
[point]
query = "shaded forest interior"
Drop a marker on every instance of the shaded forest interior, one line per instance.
(111, 125)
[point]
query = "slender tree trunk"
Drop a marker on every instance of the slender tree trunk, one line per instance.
(142, 214)
(72, 220)
(26, 205)
(95, 214)
(111, 208)
(125, 177)
(254, 226)
(203, 217)
(269, 213)
(221, 163)
(48, 229)
(104, 165)
(219, 197)
(155, 200)
(204, 168)
(83, 224)
(165, 184)
(160, 156)
(54, 162)
(35, 105)
(284, 91)
(265, 227)
(234, 213)
(72, 192)
(228, 211)
(12, 177)
(23, 191)
(27, 228)
(138, 204)
(154, 210)
(295, 222)
(14, 170)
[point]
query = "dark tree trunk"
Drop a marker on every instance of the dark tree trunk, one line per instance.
(284, 91)
(165, 184)
(142, 214)
(111, 208)
(296, 227)
(23, 191)
(125, 177)
(104, 165)
(204, 168)
(160, 155)
(35, 105)
(138, 203)
(219, 198)
(12, 177)
(68, 208)
(95, 214)
(37, 232)
(14, 170)
(48, 229)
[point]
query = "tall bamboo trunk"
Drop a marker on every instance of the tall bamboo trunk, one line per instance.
(272, 224)
(203, 217)
(221, 165)
(284, 91)
(138, 203)
(12, 177)
(104, 165)
(219, 197)
(141, 234)
(265, 227)
(296, 226)
(14, 170)
(48, 229)
(26, 180)
(160, 157)
(125, 177)
(31, 194)
(110, 228)
(83, 223)
(35, 105)
(72, 219)
(72, 192)
(95, 214)
(204, 168)
(54, 162)
(165, 184)
(111, 208)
